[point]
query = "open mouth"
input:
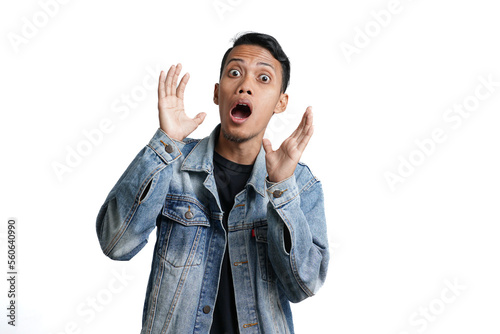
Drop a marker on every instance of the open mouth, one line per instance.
(241, 111)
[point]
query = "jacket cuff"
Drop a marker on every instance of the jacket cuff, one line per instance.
(165, 147)
(280, 193)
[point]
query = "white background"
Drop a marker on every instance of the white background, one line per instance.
(392, 250)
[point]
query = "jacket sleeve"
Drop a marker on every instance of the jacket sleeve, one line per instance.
(129, 212)
(297, 236)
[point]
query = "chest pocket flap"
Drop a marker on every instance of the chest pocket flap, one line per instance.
(185, 211)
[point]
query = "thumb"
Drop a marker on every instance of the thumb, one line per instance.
(268, 147)
(200, 118)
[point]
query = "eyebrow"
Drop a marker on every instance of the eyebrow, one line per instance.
(242, 61)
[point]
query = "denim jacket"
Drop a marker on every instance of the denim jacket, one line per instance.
(170, 185)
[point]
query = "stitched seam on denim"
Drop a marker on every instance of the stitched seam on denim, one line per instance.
(192, 252)
(252, 289)
(166, 241)
(275, 183)
(182, 266)
(153, 181)
(285, 202)
(309, 184)
(246, 226)
(203, 292)
(172, 139)
(182, 280)
(216, 216)
(270, 274)
(163, 158)
(293, 263)
(256, 188)
(188, 199)
(145, 183)
(183, 222)
(189, 141)
(190, 152)
(154, 297)
(164, 133)
(129, 216)
(262, 260)
(306, 186)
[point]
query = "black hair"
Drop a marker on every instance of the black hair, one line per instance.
(270, 44)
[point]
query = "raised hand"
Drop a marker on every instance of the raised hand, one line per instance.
(281, 163)
(173, 119)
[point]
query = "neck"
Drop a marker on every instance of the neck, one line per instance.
(242, 153)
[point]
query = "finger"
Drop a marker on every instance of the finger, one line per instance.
(268, 147)
(200, 118)
(307, 121)
(305, 140)
(168, 83)
(296, 133)
(300, 128)
(182, 86)
(177, 71)
(308, 132)
(161, 85)
(309, 110)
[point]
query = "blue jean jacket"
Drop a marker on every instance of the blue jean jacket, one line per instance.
(170, 185)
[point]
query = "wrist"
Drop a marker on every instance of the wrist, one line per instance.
(172, 134)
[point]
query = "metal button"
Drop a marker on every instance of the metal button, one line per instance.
(277, 193)
(169, 148)
(206, 309)
(189, 215)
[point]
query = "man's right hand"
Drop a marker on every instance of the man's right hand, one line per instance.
(173, 119)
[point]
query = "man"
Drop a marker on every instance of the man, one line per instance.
(241, 229)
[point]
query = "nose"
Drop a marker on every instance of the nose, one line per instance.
(245, 86)
(249, 92)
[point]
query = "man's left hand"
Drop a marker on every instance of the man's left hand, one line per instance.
(281, 163)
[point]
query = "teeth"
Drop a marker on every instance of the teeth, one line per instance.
(243, 104)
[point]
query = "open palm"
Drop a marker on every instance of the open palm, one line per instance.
(173, 119)
(281, 163)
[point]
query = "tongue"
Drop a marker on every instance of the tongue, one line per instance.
(240, 113)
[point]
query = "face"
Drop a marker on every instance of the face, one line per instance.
(249, 92)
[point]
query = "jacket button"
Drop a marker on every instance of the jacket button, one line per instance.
(169, 148)
(189, 215)
(206, 309)
(277, 193)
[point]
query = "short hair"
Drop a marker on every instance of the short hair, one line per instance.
(270, 44)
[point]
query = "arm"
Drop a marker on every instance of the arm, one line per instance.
(297, 237)
(129, 212)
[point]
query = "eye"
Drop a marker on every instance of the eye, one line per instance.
(234, 73)
(265, 78)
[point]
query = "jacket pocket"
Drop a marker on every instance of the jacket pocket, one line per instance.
(265, 266)
(183, 230)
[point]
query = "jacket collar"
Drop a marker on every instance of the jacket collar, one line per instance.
(201, 159)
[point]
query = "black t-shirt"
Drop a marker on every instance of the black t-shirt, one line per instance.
(230, 178)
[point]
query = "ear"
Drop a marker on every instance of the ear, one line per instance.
(216, 94)
(282, 103)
